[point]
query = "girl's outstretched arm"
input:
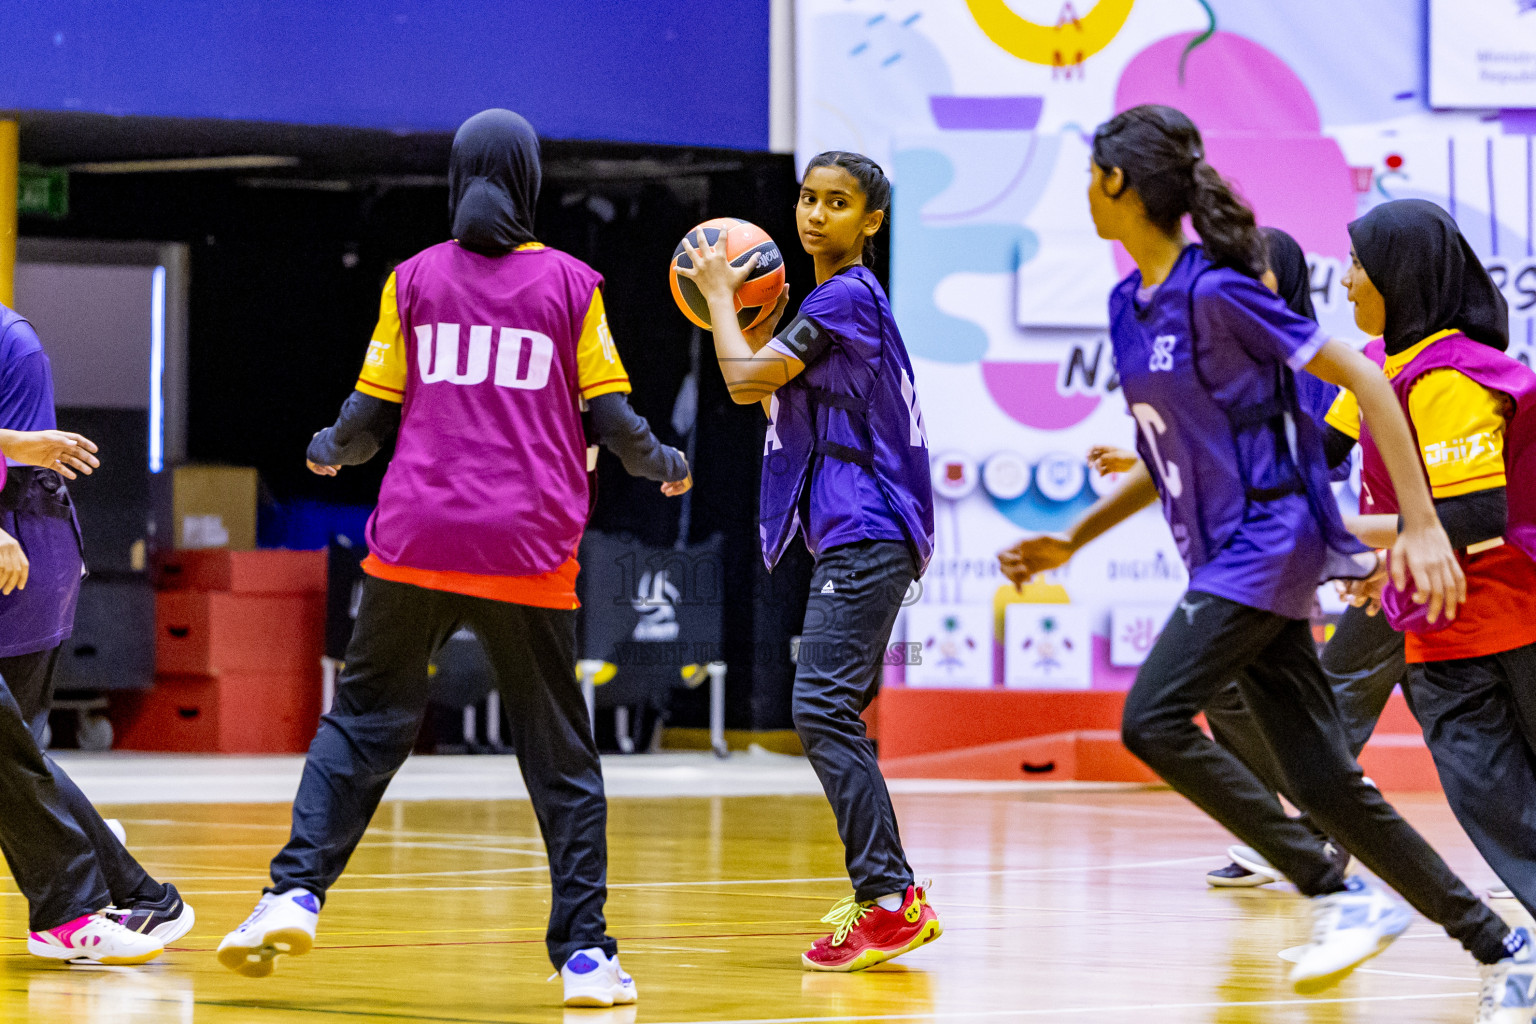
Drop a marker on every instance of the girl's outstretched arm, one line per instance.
(1422, 550)
(1051, 550)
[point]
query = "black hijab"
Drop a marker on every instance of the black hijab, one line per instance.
(493, 182)
(1292, 276)
(1429, 276)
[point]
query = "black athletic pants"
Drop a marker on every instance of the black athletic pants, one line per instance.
(1209, 641)
(856, 593)
(1363, 662)
(1479, 719)
(65, 860)
(381, 698)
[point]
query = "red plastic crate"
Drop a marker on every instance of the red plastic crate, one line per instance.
(243, 572)
(225, 714)
(201, 633)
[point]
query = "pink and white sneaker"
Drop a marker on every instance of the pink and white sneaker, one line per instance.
(94, 939)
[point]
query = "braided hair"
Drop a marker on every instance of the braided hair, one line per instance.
(1159, 151)
(872, 182)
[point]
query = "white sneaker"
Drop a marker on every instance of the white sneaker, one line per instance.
(281, 923)
(1509, 986)
(1253, 860)
(94, 939)
(116, 828)
(1348, 928)
(592, 979)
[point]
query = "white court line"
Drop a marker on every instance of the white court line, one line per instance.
(1081, 1010)
(372, 831)
(756, 881)
(1414, 974)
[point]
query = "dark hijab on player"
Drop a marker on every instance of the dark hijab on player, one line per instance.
(493, 182)
(1428, 276)
(1293, 279)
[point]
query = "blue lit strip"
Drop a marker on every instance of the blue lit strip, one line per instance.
(157, 371)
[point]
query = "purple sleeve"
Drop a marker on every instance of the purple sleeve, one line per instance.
(26, 382)
(1236, 305)
(826, 315)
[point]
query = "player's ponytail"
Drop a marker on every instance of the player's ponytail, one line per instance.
(872, 182)
(1159, 151)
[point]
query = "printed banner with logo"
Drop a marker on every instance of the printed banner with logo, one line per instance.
(982, 112)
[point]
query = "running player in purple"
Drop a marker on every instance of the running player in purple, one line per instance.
(88, 899)
(486, 349)
(845, 463)
(1207, 359)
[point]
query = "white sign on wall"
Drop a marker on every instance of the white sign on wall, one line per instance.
(1482, 53)
(1046, 647)
(1133, 629)
(954, 644)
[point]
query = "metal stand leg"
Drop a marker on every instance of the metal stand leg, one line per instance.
(329, 667)
(716, 670)
(621, 730)
(493, 719)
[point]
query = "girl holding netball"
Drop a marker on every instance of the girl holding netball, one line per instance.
(1207, 357)
(846, 464)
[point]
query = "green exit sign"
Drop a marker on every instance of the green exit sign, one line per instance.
(43, 191)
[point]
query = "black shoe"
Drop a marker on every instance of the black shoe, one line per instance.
(167, 919)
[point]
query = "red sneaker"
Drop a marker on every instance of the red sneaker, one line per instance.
(865, 935)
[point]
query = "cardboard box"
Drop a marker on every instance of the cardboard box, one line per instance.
(214, 507)
(267, 571)
(225, 714)
(204, 633)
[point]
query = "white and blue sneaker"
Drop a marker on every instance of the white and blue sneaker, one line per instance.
(281, 923)
(592, 979)
(1509, 986)
(1348, 928)
(1248, 868)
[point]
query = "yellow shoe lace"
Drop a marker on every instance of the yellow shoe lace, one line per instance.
(845, 916)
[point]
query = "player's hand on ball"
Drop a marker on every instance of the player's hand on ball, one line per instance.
(1106, 459)
(762, 333)
(712, 270)
(1034, 555)
(13, 565)
(65, 453)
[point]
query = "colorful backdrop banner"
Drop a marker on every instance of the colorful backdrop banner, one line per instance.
(982, 111)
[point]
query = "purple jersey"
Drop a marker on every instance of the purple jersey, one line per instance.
(842, 502)
(34, 504)
(1206, 361)
(851, 422)
(26, 379)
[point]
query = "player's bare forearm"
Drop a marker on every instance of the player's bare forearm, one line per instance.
(1339, 364)
(1379, 531)
(1135, 493)
(750, 376)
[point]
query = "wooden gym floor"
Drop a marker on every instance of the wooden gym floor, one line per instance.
(1058, 905)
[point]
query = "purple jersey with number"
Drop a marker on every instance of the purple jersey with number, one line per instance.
(489, 474)
(1207, 363)
(851, 422)
(844, 499)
